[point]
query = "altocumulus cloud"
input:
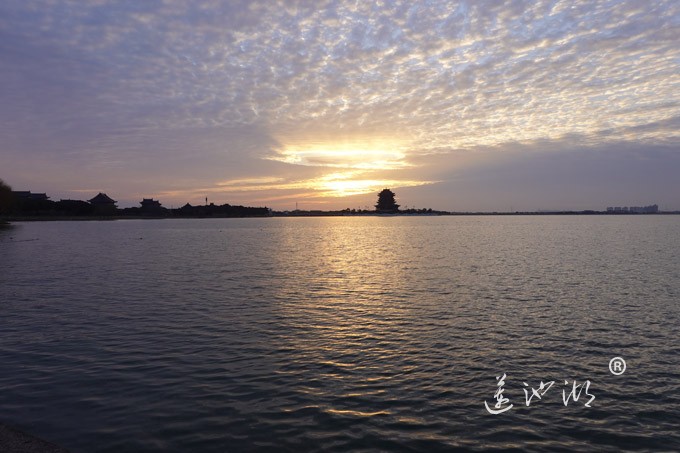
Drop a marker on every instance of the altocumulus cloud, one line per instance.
(273, 102)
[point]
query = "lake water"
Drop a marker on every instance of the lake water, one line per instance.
(344, 333)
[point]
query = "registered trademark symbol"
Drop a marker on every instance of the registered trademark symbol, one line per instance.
(617, 366)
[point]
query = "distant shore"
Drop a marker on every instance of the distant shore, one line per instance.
(6, 221)
(444, 213)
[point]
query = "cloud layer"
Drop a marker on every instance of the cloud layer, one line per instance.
(176, 97)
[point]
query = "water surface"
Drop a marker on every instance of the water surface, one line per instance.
(345, 333)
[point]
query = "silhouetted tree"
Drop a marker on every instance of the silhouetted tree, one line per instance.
(386, 202)
(6, 197)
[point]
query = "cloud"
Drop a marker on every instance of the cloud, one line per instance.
(565, 174)
(188, 87)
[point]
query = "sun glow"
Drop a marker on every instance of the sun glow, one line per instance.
(354, 166)
(351, 183)
(368, 154)
(336, 184)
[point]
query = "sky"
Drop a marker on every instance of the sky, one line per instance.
(477, 105)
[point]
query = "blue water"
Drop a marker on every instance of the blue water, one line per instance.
(339, 334)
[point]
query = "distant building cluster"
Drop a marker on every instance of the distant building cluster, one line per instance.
(651, 209)
(26, 203)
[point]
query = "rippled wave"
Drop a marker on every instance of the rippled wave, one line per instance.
(338, 334)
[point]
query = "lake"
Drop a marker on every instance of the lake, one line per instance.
(343, 333)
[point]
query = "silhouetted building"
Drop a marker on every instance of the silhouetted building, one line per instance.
(225, 210)
(151, 206)
(187, 209)
(386, 202)
(103, 204)
(651, 209)
(150, 203)
(24, 202)
(27, 195)
(73, 207)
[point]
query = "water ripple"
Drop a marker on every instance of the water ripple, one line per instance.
(339, 334)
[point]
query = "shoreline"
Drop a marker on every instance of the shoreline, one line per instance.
(13, 440)
(7, 221)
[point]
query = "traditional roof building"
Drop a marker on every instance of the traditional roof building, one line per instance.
(150, 203)
(28, 195)
(103, 204)
(386, 202)
(151, 206)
